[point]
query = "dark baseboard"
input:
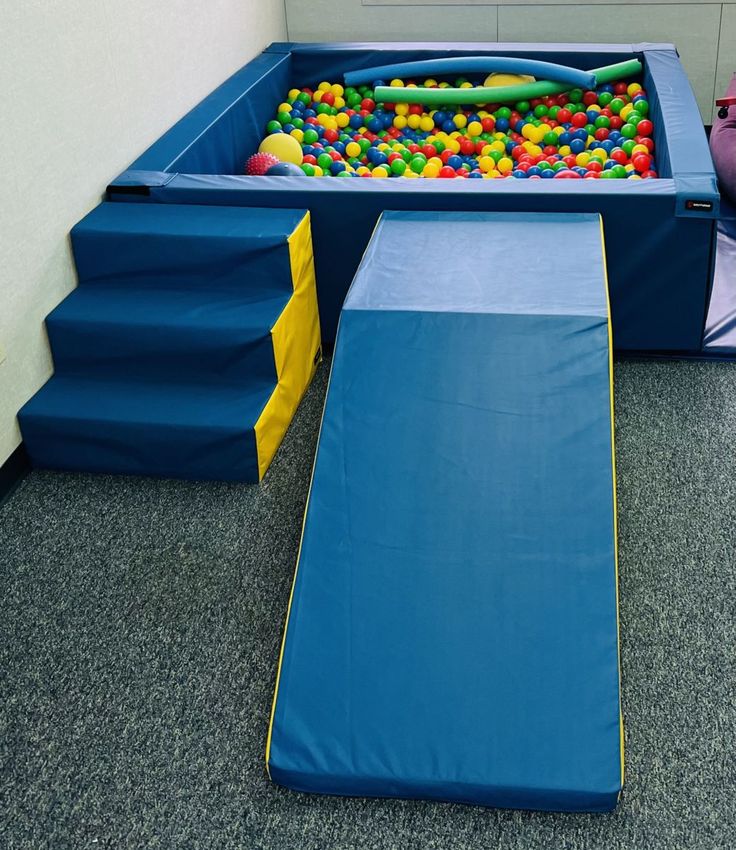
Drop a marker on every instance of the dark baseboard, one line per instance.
(13, 471)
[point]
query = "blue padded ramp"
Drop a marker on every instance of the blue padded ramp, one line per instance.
(452, 630)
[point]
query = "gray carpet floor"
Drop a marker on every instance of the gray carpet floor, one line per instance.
(140, 622)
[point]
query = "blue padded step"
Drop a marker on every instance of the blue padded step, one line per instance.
(168, 245)
(186, 347)
(195, 431)
(452, 630)
(190, 335)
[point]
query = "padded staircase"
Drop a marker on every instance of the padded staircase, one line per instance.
(186, 347)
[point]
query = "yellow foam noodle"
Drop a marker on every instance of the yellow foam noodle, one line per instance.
(296, 346)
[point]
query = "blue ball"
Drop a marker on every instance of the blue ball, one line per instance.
(518, 173)
(375, 125)
(356, 121)
(564, 139)
(455, 161)
(440, 118)
(310, 113)
(288, 169)
(502, 125)
(335, 168)
(449, 126)
(577, 145)
(533, 171)
(475, 174)
(547, 173)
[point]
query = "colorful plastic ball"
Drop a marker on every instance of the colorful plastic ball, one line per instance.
(259, 163)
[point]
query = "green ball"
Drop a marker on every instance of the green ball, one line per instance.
(310, 137)
(602, 121)
(439, 146)
(353, 99)
(628, 146)
(619, 171)
(284, 118)
(398, 166)
(540, 111)
(417, 164)
(503, 112)
(575, 95)
(304, 97)
(604, 98)
(628, 130)
(551, 139)
(616, 105)
(274, 127)
(642, 107)
(343, 174)
(590, 129)
(558, 166)
(323, 109)
(523, 106)
(324, 160)
(553, 110)
(544, 165)
(307, 169)
(298, 123)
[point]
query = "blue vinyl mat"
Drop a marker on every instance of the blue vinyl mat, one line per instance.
(452, 632)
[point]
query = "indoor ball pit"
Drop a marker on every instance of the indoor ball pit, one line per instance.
(660, 233)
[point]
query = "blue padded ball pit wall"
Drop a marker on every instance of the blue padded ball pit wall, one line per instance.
(660, 244)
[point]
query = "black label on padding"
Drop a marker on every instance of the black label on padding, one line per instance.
(704, 206)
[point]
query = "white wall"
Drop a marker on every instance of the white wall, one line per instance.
(87, 85)
(703, 30)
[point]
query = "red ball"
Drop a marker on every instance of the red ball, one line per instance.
(416, 109)
(258, 164)
(329, 98)
(648, 174)
(447, 171)
(445, 155)
(564, 116)
(367, 104)
(331, 136)
(467, 146)
(601, 134)
(308, 159)
(579, 119)
(645, 127)
(488, 124)
(641, 161)
(619, 156)
(589, 98)
(617, 122)
(595, 165)
(620, 88)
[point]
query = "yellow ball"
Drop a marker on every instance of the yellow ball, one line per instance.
(505, 165)
(402, 109)
(633, 89)
(293, 94)
(339, 102)
(475, 128)
(297, 134)
(343, 119)
(380, 171)
(466, 85)
(426, 123)
(429, 83)
(459, 120)
(409, 173)
(317, 96)
(497, 146)
(430, 170)
(352, 149)
(397, 83)
(486, 164)
(564, 150)
(362, 169)
(508, 79)
(283, 147)
(582, 159)
(324, 86)
(284, 107)
(337, 89)
(317, 171)
(414, 121)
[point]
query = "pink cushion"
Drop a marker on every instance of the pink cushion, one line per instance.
(723, 146)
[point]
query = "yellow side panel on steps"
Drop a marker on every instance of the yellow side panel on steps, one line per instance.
(296, 346)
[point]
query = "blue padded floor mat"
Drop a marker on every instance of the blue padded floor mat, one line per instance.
(452, 632)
